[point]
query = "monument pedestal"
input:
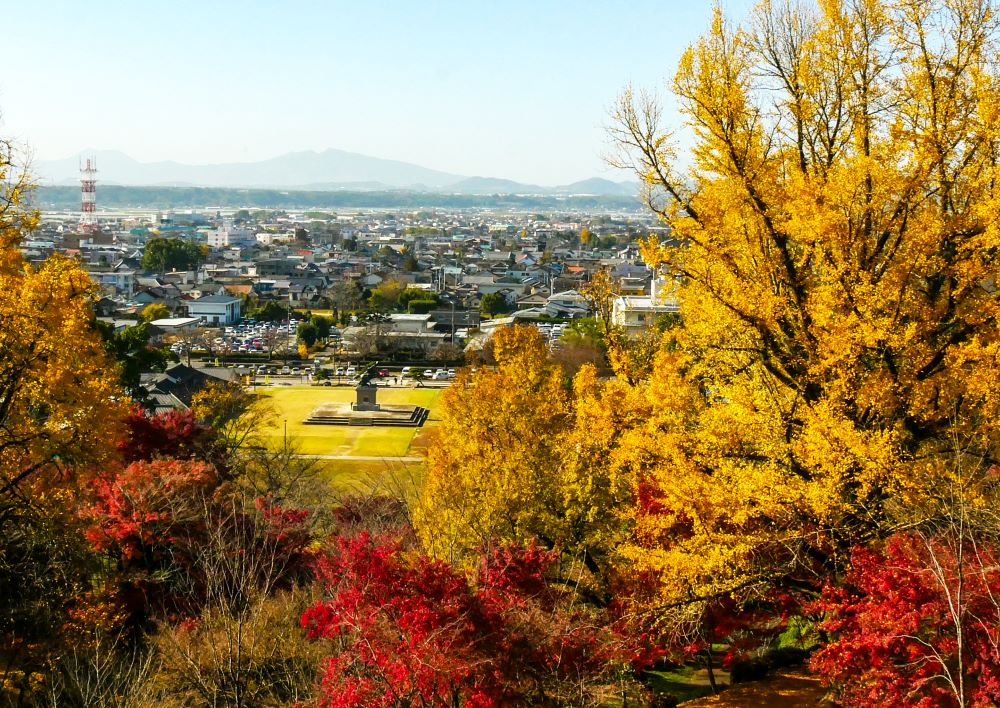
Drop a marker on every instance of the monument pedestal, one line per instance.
(367, 411)
(366, 399)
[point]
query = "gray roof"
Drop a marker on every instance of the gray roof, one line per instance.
(216, 299)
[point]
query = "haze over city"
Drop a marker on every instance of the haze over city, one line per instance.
(517, 91)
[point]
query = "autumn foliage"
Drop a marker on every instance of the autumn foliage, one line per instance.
(161, 521)
(175, 434)
(834, 248)
(916, 624)
(831, 379)
(60, 410)
(521, 453)
(411, 628)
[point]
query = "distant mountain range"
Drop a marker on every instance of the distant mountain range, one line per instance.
(330, 170)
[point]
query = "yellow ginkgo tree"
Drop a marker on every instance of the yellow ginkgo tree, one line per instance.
(60, 402)
(837, 261)
(521, 455)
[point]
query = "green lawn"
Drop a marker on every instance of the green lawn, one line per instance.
(294, 404)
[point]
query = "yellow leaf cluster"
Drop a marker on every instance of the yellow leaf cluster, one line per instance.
(520, 454)
(60, 402)
(838, 283)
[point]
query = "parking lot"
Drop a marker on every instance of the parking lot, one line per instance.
(250, 337)
(298, 374)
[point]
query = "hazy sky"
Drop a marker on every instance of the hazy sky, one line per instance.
(515, 89)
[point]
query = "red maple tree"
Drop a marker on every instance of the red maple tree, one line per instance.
(173, 531)
(918, 624)
(174, 434)
(413, 629)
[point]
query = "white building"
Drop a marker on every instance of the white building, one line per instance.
(121, 281)
(269, 238)
(176, 324)
(227, 235)
(216, 309)
(569, 298)
(638, 313)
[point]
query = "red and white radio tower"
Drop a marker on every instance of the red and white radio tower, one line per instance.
(88, 195)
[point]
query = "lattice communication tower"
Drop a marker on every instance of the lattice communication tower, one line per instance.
(88, 194)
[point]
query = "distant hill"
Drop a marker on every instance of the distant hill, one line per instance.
(493, 185)
(598, 185)
(294, 169)
(330, 170)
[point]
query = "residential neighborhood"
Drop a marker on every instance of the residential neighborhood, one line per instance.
(396, 286)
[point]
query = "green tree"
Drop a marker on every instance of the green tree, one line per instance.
(385, 296)
(307, 333)
(130, 348)
(270, 311)
(410, 294)
(586, 330)
(420, 307)
(323, 325)
(162, 255)
(493, 304)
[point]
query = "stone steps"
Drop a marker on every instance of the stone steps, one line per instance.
(416, 419)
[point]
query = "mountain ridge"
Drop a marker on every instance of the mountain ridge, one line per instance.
(327, 170)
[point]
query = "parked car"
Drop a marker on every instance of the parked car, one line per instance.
(339, 371)
(406, 371)
(351, 371)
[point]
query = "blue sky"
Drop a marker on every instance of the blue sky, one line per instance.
(512, 89)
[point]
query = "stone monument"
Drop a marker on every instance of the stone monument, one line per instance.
(366, 410)
(366, 398)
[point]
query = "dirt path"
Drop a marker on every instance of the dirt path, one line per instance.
(791, 688)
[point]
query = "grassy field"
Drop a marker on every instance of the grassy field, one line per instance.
(294, 404)
(390, 476)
